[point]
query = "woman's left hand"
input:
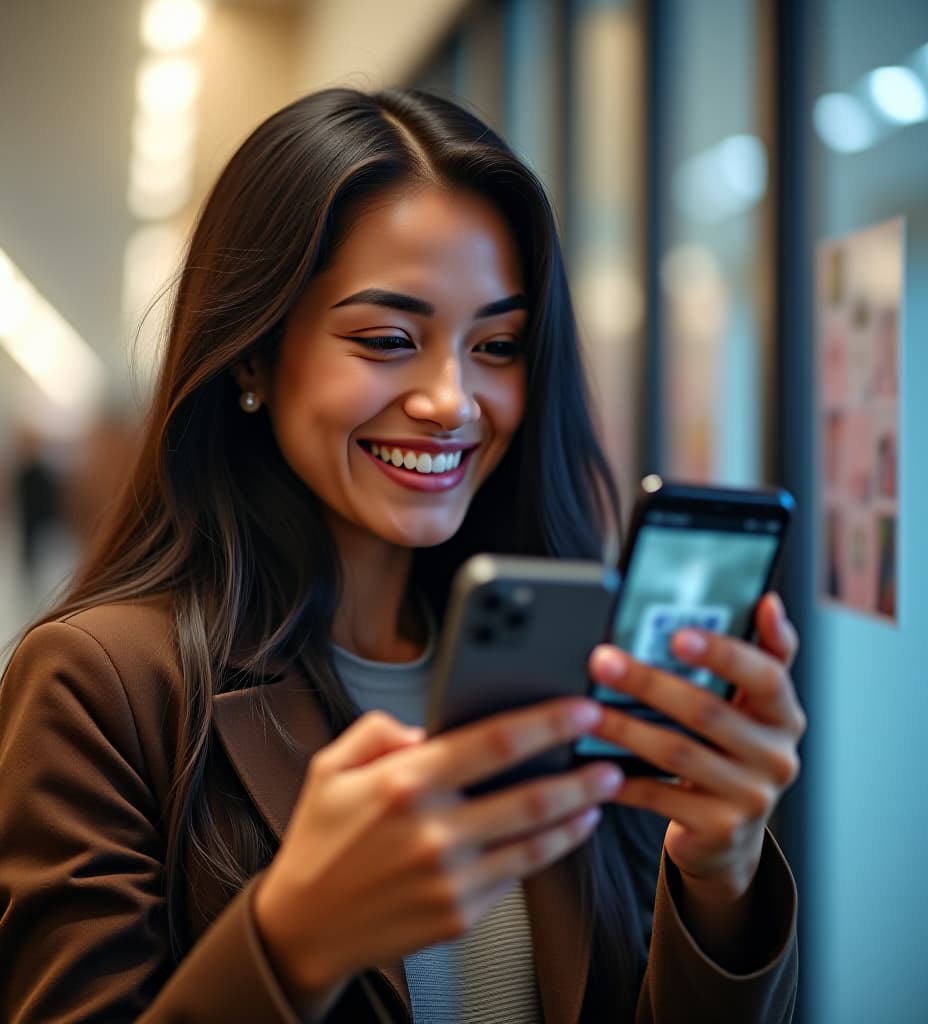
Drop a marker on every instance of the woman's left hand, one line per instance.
(724, 794)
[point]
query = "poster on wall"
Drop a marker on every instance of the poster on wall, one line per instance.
(859, 291)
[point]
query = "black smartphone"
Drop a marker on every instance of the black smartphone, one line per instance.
(695, 556)
(518, 630)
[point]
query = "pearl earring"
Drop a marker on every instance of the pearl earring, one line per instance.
(249, 401)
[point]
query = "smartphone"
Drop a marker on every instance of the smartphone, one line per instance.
(518, 630)
(696, 556)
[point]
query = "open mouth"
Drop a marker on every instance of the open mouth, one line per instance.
(416, 461)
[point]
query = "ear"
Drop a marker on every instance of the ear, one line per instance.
(251, 376)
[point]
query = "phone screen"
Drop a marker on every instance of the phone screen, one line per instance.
(687, 568)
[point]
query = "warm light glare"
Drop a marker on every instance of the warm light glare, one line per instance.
(150, 264)
(161, 175)
(164, 138)
(157, 200)
(843, 123)
(45, 345)
(698, 297)
(611, 296)
(898, 95)
(14, 306)
(167, 85)
(172, 25)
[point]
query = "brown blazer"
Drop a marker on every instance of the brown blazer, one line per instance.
(89, 712)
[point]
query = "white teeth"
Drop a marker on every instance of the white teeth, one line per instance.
(420, 462)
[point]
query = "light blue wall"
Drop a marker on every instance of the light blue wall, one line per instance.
(866, 753)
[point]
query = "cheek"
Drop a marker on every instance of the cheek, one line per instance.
(504, 401)
(327, 396)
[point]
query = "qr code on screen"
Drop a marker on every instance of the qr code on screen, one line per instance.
(659, 623)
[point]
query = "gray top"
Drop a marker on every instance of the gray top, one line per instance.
(488, 975)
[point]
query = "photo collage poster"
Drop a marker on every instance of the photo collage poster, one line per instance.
(859, 314)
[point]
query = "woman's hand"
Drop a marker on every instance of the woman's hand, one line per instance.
(725, 793)
(383, 856)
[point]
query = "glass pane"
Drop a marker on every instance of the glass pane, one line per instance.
(605, 220)
(866, 119)
(712, 387)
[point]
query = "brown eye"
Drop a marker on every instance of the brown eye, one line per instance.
(500, 348)
(385, 343)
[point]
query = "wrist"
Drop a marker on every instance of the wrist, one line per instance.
(307, 971)
(716, 910)
(723, 889)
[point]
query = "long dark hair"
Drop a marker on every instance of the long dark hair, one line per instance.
(215, 518)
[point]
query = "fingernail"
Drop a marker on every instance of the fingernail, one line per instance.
(587, 714)
(608, 781)
(611, 665)
(778, 607)
(590, 817)
(689, 644)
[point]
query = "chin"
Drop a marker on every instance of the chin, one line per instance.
(424, 533)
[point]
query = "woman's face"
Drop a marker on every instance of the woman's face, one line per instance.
(400, 379)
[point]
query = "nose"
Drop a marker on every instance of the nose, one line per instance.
(443, 397)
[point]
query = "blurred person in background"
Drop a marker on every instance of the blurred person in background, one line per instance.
(37, 493)
(216, 798)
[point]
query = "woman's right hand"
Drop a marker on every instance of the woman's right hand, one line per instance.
(383, 856)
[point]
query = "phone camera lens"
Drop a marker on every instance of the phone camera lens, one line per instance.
(483, 635)
(516, 619)
(492, 602)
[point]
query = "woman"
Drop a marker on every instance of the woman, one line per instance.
(372, 373)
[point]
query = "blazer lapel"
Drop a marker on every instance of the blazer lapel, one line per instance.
(561, 939)
(271, 769)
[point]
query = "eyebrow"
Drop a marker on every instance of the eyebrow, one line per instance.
(410, 304)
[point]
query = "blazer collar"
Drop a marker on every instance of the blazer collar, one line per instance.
(272, 772)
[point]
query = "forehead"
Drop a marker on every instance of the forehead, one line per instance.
(426, 237)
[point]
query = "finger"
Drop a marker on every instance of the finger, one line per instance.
(700, 812)
(472, 753)
(533, 806)
(762, 747)
(775, 633)
(374, 734)
(764, 686)
(525, 856)
(687, 758)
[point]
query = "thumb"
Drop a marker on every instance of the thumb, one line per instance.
(374, 734)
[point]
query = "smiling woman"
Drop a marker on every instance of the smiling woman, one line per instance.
(216, 801)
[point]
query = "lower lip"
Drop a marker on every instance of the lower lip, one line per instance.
(413, 481)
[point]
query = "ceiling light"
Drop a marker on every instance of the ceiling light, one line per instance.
(160, 138)
(46, 346)
(842, 123)
(898, 94)
(742, 160)
(167, 85)
(171, 25)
